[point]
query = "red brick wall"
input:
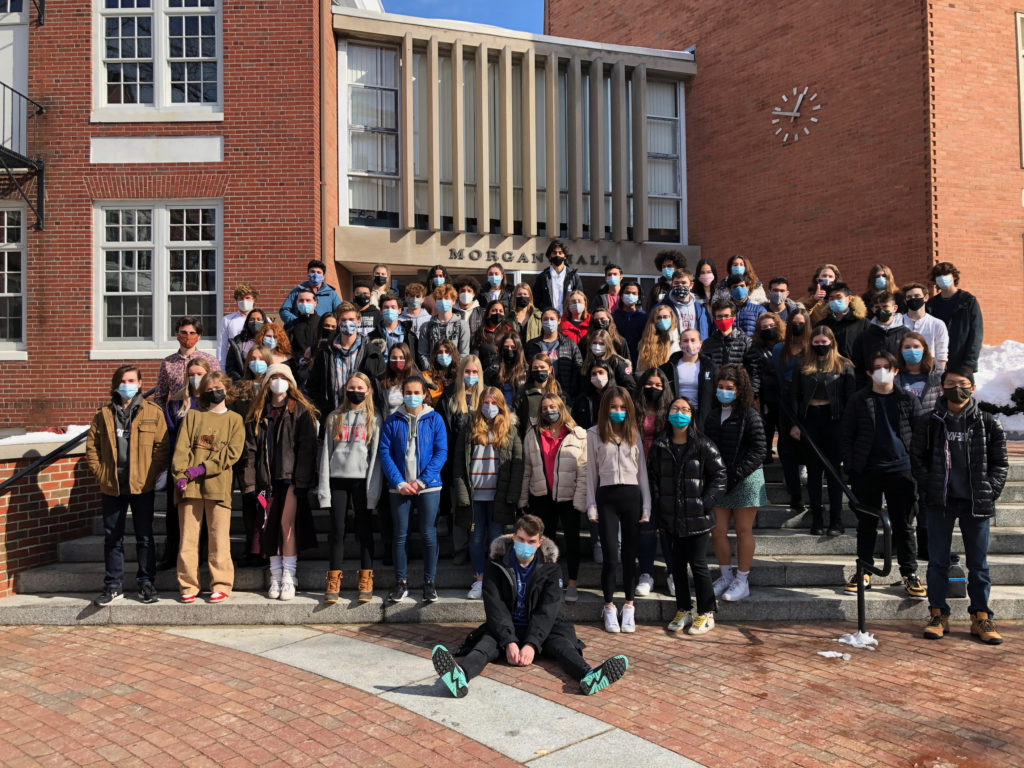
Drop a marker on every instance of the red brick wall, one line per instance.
(269, 184)
(41, 511)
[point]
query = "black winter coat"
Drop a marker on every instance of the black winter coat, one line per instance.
(570, 361)
(735, 348)
(290, 453)
(875, 338)
(767, 377)
(965, 329)
(323, 387)
(521, 405)
(684, 492)
(234, 365)
(839, 386)
(740, 439)
(706, 382)
(858, 426)
(542, 287)
(986, 452)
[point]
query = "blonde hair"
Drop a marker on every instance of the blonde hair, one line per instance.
(459, 397)
(496, 432)
(564, 417)
(656, 346)
(549, 387)
(294, 396)
(830, 363)
(183, 393)
(366, 405)
(568, 299)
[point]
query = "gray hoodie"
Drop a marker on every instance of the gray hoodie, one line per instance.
(350, 451)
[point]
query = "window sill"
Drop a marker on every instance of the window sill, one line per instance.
(173, 114)
(141, 353)
(14, 355)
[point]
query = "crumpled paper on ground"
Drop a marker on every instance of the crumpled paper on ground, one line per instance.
(859, 640)
(834, 655)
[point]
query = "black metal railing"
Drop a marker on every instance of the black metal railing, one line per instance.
(858, 507)
(19, 147)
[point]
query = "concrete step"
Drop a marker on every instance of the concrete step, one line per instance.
(773, 471)
(247, 608)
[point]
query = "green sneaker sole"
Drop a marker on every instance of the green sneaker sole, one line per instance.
(449, 672)
(600, 677)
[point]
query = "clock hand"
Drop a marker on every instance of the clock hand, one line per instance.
(786, 114)
(796, 109)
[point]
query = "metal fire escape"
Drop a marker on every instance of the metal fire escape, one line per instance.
(19, 158)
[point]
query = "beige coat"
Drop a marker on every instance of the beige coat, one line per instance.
(148, 446)
(570, 481)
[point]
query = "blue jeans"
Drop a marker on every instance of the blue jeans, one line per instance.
(401, 511)
(485, 530)
(940, 536)
(115, 512)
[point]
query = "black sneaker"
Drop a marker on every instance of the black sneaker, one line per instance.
(429, 593)
(147, 593)
(110, 594)
(399, 593)
(603, 675)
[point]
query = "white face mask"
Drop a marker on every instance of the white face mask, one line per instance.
(576, 307)
(245, 306)
(882, 376)
(599, 382)
(466, 298)
(279, 386)
(597, 349)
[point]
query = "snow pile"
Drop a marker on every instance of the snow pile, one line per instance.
(1000, 373)
(45, 437)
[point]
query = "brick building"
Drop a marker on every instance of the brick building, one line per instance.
(915, 155)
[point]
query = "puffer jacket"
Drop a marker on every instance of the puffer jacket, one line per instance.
(740, 439)
(986, 451)
(874, 338)
(287, 454)
(510, 474)
(570, 480)
(684, 492)
(966, 329)
(839, 386)
(735, 348)
(149, 448)
(767, 381)
(431, 448)
(859, 423)
(569, 363)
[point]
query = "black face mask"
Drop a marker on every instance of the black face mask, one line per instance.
(557, 261)
(361, 300)
(915, 303)
(539, 376)
(957, 395)
(769, 335)
(652, 394)
(522, 302)
(821, 349)
(253, 326)
(214, 396)
(680, 292)
(326, 333)
(509, 355)
(380, 280)
(496, 318)
(883, 315)
(601, 324)
(355, 397)
(798, 328)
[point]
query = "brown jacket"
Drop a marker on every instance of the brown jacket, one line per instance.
(148, 445)
(216, 441)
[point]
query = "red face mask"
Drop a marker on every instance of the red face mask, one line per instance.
(397, 365)
(724, 324)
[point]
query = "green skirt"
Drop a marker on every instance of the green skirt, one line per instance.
(748, 492)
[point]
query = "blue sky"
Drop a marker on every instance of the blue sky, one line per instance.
(525, 15)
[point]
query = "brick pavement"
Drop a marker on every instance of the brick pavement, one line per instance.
(744, 695)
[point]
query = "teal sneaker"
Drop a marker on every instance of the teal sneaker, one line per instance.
(604, 674)
(451, 674)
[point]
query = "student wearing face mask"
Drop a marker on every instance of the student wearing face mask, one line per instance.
(127, 450)
(522, 599)
(442, 375)
(740, 266)
(747, 311)
(436, 277)
(467, 305)
(630, 320)
(188, 330)
(381, 280)
(303, 336)
(525, 316)
(958, 455)
(816, 300)
(961, 313)
(238, 347)
(232, 324)
(876, 431)
(885, 331)
(246, 389)
(602, 350)
(350, 476)
(328, 327)
(444, 325)
(413, 448)
(880, 278)
(778, 298)
(575, 319)
(767, 333)
(845, 315)
(369, 315)
(930, 327)
(666, 262)
(660, 339)
(487, 473)
(540, 381)
(392, 329)
(728, 345)
(601, 320)
(787, 358)
(346, 353)
(609, 294)
(563, 355)
(414, 312)
(690, 312)
(327, 298)
(554, 284)
(692, 374)
(705, 280)
(511, 368)
(818, 396)
(494, 327)
(209, 444)
(273, 337)
(497, 288)
(597, 376)
(387, 388)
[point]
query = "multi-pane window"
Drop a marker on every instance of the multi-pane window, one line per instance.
(11, 6)
(12, 272)
(373, 136)
(160, 52)
(159, 262)
(663, 162)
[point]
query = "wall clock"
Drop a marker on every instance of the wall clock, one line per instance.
(796, 116)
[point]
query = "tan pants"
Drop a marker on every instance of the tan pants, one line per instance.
(218, 522)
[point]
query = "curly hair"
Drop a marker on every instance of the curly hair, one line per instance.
(738, 376)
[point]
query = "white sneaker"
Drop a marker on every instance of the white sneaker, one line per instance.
(803, 474)
(611, 619)
(476, 591)
(598, 553)
(702, 622)
(671, 585)
(628, 622)
(274, 591)
(738, 590)
(644, 585)
(682, 620)
(722, 583)
(287, 585)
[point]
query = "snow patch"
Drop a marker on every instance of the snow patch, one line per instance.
(1000, 372)
(45, 437)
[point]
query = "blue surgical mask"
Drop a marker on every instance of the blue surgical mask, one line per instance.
(943, 282)
(663, 324)
(438, 281)
(470, 381)
(679, 420)
(270, 342)
(489, 411)
(523, 551)
(444, 305)
(258, 367)
(613, 280)
(737, 269)
(494, 280)
(444, 359)
(550, 326)
(412, 402)
(389, 315)
(837, 305)
(315, 278)
(630, 299)
(667, 272)
(305, 308)
(128, 391)
(739, 292)
(881, 283)
(725, 396)
(913, 356)
(617, 417)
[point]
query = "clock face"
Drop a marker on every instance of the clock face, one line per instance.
(796, 116)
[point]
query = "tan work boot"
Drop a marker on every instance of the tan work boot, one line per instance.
(365, 586)
(333, 586)
(937, 626)
(983, 628)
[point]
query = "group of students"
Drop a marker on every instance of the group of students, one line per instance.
(490, 403)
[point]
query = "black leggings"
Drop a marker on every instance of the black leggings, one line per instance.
(560, 645)
(343, 490)
(555, 512)
(692, 551)
(617, 505)
(825, 432)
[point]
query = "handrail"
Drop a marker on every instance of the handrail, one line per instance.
(20, 145)
(52, 456)
(856, 505)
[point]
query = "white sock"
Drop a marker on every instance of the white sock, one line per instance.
(742, 575)
(289, 563)
(275, 562)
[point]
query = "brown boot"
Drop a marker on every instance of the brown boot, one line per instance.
(937, 626)
(333, 586)
(983, 628)
(365, 586)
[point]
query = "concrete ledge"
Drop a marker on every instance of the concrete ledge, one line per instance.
(32, 451)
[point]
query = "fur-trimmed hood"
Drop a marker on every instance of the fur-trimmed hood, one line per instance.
(503, 545)
(821, 311)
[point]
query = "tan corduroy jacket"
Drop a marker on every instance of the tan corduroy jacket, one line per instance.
(148, 446)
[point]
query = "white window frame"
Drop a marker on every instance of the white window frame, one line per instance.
(16, 17)
(680, 169)
(162, 344)
(163, 110)
(17, 350)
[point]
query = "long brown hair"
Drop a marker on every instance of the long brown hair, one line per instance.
(830, 363)
(496, 432)
(259, 402)
(549, 387)
(390, 378)
(749, 273)
(890, 280)
(927, 361)
(611, 330)
(627, 430)
(803, 341)
(564, 418)
(610, 353)
(439, 378)
(780, 324)
(366, 405)
(656, 346)
(514, 374)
